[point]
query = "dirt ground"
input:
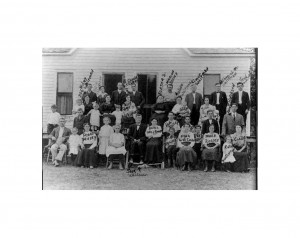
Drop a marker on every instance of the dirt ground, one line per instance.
(74, 178)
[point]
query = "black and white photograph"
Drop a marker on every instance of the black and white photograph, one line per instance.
(150, 118)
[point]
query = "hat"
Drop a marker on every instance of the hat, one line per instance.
(54, 106)
(239, 83)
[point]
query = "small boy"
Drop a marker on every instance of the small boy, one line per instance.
(78, 105)
(75, 143)
(197, 146)
(79, 121)
(118, 114)
(52, 122)
(95, 117)
(171, 147)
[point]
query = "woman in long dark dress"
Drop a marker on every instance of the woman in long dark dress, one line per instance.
(159, 111)
(240, 154)
(154, 144)
(87, 105)
(106, 109)
(211, 142)
(102, 96)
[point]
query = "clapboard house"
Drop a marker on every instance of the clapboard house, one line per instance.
(65, 68)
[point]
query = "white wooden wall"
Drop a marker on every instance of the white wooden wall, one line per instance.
(132, 61)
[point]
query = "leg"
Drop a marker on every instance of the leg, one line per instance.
(62, 150)
(54, 149)
(121, 159)
(141, 150)
(110, 159)
(213, 166)
(206, 166)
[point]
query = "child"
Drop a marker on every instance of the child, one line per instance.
(79, 121)
(78, 105)
(228, 158)
(94, 117)
(53, 120)
(86, 156)
(118, 114)
(198, 143)
(171, 147)
(74, 142)
(184, 111)
(116, 147)
(187, 120)
(104, 135)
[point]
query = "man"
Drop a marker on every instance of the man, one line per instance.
(171, 123)
(137, 97)
(90, 94)
(194, 101)
(231, 120)
(80, 120)
(169, 97)
(118, 96)
(208, 122)
(60, 135)
(219, 100)
(137, 138)
(241, 98)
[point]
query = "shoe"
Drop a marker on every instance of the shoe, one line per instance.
(82, 166)
(182, 168)
(56, 164)
(213, 170)
(91, 167)
(110, 166)
(130, 161)
(205, 170)
(121, 166)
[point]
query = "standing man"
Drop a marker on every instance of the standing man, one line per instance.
(194, 101)
(231, 120)
(169, 98)
(118, 96)
(241, 98)
(90, 94)
(138, 98)
(219, 100)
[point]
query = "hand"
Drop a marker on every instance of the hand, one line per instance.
(246, 112)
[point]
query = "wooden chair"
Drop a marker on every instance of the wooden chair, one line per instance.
(64, 159)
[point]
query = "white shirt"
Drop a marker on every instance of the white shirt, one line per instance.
(234, 115)
(133, 92)
(53, 118)
(194, 95)
(119, 91)
(61, 131)
(240, 97)
(218, 97)
(137, 127)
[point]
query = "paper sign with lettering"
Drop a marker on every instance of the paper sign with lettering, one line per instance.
(211, 139)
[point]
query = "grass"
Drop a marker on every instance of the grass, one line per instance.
(74, 178)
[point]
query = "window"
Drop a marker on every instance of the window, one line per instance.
(64, 99)
(209, 82)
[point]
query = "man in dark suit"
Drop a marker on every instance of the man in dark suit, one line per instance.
(118, 96)
(208, 122)
(137, 97)
(219, 100)
(231, 120)
(137, 137)
(90, 94)
(241, 98)
(59, 135)
(194, 101)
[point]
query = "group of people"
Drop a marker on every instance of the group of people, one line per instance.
(190, 131)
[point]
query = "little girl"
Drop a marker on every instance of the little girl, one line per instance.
(118, 114)
(95, 117)
(171, 147)
(104, 135)
(75, 142)
(228, 158)
(78, 105)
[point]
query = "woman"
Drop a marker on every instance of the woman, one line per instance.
(204, 108)
(102, 96)
(129, 110)
(87, 105)
(116, 147)
(239, 143)
(159, 111)
(186, 154)
(210, 143)
(154, 144)
(106, 109)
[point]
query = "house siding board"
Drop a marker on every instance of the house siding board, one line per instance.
(132, 61)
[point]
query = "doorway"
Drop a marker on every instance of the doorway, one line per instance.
(111, 81)
(209, 82)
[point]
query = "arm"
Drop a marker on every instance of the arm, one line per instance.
(94, 143)
(143, 101)
(224, 126)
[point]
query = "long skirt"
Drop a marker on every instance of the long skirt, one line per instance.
(186, 155)
(154, 151)
(111, 117)
(160, 117)
(86, 157)
(210, 154)
(241, 164)
(110, 150)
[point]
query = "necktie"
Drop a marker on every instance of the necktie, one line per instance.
(234, 116)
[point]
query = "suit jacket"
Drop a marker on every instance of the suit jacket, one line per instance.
(223, 102)
(206, 124)
(117, 98)
(92, 96)
(78, 123)
(228, 126)
(189, 98)
(138, 99)
(245, 100)
(133, 133)
(66, 133)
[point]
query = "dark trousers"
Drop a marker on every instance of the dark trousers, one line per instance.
(222, 112)
(194, 115)
(171, 153)
(73, 158)
(242, 111)
(137, 146)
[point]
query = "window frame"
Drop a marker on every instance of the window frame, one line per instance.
(64, 93)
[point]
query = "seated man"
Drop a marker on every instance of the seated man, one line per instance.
(210, 120)
(59, 135)
(137, 137)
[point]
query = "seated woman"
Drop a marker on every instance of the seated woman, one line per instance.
(106, 109)
(210, 143)
(116, 147)
(203, 110)
(239, 143)
(86, 156)
(159, 111)
(181, 110)
(186, 154)
(154, 144)
(129, 110)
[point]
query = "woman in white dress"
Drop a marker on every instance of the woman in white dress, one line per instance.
(116, 146)
(104, 135)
